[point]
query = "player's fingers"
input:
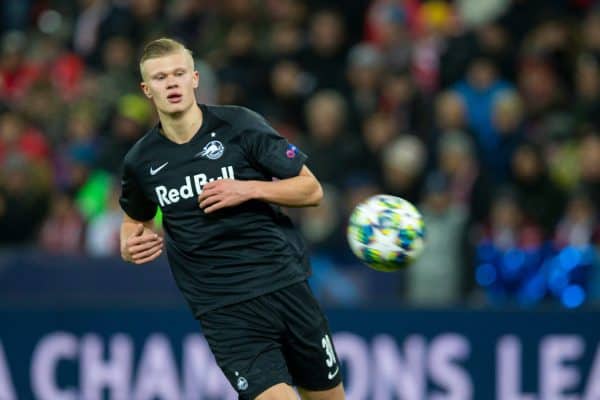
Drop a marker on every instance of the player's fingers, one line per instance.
(205, 193)
(146, 253)
(209, 200)
(208, 191)
(145, 246)
(135, 240)
(149, 258)
(215, 187)
(212, 185)
(214, 207)
(209, 186)
(138, 246)
(203, 196)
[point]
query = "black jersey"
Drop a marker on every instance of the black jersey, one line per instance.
(232, 254)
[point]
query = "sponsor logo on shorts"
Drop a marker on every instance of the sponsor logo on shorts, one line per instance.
(330, 359)
(332, 375)
(242, 383)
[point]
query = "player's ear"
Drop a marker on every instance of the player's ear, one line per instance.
(196, 79)
(146, 89)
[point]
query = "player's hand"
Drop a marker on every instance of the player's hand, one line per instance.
(224, 193)
(143, 245)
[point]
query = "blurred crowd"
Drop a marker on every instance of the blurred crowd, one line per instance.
(483, 113)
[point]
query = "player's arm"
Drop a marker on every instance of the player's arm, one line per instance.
(303, 190)
(139, 243)
(299, 191)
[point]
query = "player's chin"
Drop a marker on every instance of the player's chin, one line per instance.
(175, 107)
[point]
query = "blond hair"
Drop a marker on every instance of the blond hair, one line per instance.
(162, 47)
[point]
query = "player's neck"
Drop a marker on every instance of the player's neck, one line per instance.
(182, 127)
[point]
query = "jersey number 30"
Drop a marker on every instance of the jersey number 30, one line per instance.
(326, 344)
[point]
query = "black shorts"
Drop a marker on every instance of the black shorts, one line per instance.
(280, 337)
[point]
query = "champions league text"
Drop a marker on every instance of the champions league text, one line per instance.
(380, 368)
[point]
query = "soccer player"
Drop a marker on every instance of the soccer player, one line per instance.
(238, 260)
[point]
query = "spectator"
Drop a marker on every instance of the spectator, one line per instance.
(543, 96)
(324, 58)
(590, 31)
(241, 68)
(507, 120)
(401, 98)
(289, 88)
(450, 113)
(390, 25)
(435, 19)
(576, 261)
(19, 138)
(129, 123)
(403, 168)
(365, 66)
(118, 74)
(23, 200)
(334, 150)
(587, 89)
(63, 230)
(436, 277)
(589, 154)
(285, 41)
(469, 185)
(541, 200)
(450, 116)
(580, 225)
(510, 247)
(17, 72)
(479, 91)
(102, 233)
(378, 132)
(322, 226)
(80, 145)
(87, 25)
(139, 20)
(190, 20)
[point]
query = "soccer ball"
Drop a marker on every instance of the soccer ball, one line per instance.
(386, 232)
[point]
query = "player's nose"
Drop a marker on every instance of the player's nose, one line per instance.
(171, 82)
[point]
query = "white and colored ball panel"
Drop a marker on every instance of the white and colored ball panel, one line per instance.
(386, 232)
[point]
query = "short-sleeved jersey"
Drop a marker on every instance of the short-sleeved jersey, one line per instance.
(232, 254)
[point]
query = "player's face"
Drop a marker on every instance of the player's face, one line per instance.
(170, 82)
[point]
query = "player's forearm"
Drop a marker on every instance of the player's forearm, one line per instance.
(299, 191)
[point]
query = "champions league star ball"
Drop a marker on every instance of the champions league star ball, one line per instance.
(386, 232)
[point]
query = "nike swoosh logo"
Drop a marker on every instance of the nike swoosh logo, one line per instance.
(332, 375)
(154, 171)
